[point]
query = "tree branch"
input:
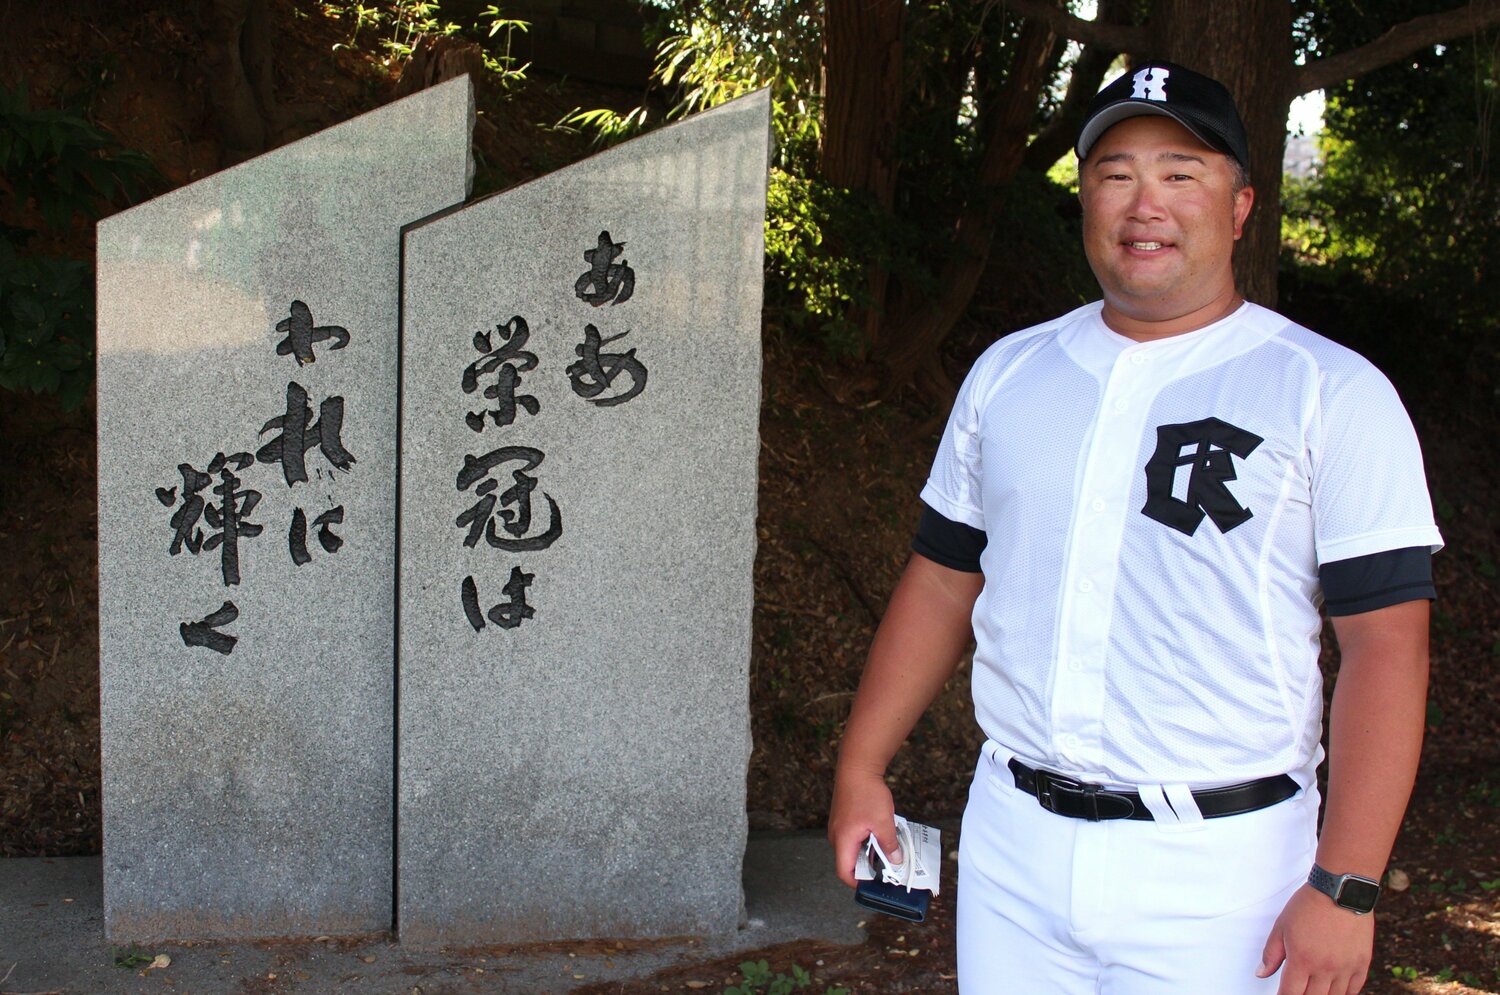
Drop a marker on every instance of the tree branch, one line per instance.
(1055, 140)
(1399, 41)
(921, 330)
(1115, 37)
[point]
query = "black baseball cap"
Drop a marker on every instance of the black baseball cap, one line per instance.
(1201, 105)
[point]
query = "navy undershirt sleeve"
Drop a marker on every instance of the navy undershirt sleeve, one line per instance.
(1359, 584)
(949, 543)
(1379, 580)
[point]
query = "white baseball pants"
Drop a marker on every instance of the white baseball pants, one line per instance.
(1049, 905)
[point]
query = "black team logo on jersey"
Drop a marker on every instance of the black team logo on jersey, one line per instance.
(1204, 452)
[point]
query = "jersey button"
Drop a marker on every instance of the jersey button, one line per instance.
(1085, 585)
(1070, 742)
(1138, 359)
(1121, 404)
(1075, 664)
(1097, 504)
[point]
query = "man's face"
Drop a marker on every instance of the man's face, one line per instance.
(1160, 219)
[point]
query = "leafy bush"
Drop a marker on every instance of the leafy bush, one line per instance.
(820, 240)
(1393, 242)
(812, 282)
(397, 25)
(59, 168)
(46, 325)
(716, 50)
(758, 980)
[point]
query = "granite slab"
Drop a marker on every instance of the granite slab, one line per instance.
(581, 386)
(247, 386)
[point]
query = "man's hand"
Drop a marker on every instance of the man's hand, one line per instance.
(1375, 737)
(916, 648)
(1326, 948)
(862, 805)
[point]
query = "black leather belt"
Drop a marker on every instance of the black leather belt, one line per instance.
(1081, 800)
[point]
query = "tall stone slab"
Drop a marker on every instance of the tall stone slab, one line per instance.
(580, 395)
(247, 494)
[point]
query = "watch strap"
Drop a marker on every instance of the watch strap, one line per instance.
(1332, 885)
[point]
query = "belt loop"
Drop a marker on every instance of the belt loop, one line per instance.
(1156, 802)
(1091, 792)
(1182, 801)
(999, 757)
(1167, 818)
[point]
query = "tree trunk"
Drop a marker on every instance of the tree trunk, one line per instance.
(237, 65)
(438, 58)
(862, 94)
(256, 55)
(1247, 46)
(861, 110)
(914, 337)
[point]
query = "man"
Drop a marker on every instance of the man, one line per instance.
(1136, 509)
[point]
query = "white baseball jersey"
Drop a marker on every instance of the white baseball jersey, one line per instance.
(1156, 514)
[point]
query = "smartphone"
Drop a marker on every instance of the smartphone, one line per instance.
(894, 899)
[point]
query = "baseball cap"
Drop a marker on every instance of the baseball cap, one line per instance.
(1198, 103)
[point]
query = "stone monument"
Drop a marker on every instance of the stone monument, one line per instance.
(580, 396)
(247, 380)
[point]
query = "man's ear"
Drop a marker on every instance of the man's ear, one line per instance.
(1243, 201)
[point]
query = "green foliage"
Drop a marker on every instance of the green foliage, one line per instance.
(61, 163)
(396, 23)
(812, 286)
(395, 26)
(609, 126)
(717, 50)
(822, 242)
(61, 168)
(46, 325)
(817, 236)
(757, 979)
(1402, 224)
(130, 957)
(502, 64)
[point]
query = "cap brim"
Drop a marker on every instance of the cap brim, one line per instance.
(1108, 117)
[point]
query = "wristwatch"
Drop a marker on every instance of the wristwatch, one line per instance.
(1354, 892)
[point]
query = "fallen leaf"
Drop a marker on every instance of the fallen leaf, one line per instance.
(697, 984)
(159, 961)
(1397, 880)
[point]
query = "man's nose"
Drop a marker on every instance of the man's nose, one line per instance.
(1147, 204)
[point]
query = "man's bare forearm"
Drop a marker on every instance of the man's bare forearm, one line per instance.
(916, 649)
(1375, 739)
(1375, 735)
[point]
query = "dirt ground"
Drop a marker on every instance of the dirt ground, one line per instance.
(837, 505)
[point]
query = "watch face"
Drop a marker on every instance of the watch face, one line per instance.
(1359, 895)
